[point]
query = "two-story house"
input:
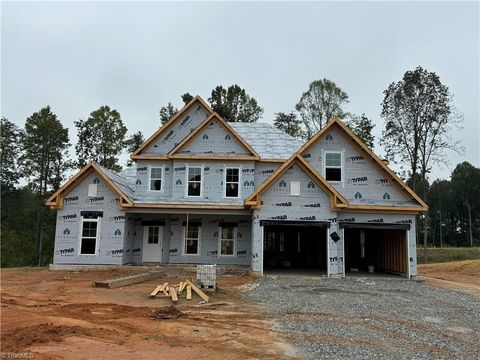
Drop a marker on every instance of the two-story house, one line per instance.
(205, 191)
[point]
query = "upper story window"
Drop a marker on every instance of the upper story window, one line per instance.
(194, 178)
(232, 179)
(156, 178)
(333, 166)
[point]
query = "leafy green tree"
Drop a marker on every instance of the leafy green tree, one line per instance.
(133, 143)
(362, 126)
(166, 112)
(101, 138)
(234, 104)
(44, 161)
(466, 184)
(10, 151)
(319, 104)
(44, 158)
(289, 124)
(419, 117)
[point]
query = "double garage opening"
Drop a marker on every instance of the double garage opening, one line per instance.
(368, 247)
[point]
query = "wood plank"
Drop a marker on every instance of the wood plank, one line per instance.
(128, 280)
(156, 291)
(198, 291)
(182, 286)
(189, 292)
(173, 294)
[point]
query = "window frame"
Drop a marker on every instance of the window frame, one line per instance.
(97, 235)
(341, 167)
(150, 167)
(187, 182)
(225, 182)
(220, 239)
(148, 233)
(184, 247)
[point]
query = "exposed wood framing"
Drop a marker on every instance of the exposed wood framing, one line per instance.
(371, 157)
(336, 199)
(56, 200)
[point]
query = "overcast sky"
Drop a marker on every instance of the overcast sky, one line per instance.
(135, 57)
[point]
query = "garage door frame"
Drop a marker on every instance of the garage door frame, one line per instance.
(379, 226)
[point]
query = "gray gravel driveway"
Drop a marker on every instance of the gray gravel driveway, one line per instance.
(371, 318)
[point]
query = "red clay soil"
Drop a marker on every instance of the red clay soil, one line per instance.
(461, 275)
(59, 315)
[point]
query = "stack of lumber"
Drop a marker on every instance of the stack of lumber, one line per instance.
(174, 291)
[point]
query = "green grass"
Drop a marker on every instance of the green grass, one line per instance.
(439, 255)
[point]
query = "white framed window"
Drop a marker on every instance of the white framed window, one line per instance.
(155, 178)
(194, 181)
(90, 230)
(333, 166)
(227, 240)
(232, 182)
(192, 239)
(295, 188)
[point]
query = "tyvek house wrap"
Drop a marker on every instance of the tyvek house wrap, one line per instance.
(313, 204)
(362, 184)
(175, 133)
(213, 140)
(111, 247)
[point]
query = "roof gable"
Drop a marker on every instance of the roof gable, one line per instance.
(214, 137)
(175, 129)
(336, 199)
(55, 201)
(373, 160)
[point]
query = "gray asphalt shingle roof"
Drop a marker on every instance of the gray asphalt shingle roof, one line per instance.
(266, 140)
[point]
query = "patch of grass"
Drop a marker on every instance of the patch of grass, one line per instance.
(440, 255)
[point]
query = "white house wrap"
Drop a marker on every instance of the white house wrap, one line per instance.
(204, 191)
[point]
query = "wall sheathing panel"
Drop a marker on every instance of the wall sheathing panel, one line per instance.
(213, 187)
(209, 246)
(177, 131)
(213, 140)
(362, 184)
(263, 171)
(111, 247)
(142, 183)
(313, 204)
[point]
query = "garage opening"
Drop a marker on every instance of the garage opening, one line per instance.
(295, 245)
(376, 248)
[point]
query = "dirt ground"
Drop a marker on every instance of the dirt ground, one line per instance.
(460, 275)
(59, 315)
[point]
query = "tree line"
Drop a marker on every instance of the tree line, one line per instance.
(418, 115)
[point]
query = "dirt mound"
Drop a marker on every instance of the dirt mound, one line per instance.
(170, 312)
(44, 333)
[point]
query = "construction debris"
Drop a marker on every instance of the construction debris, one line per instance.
(120, 281)
(173, 291)
(169, 313)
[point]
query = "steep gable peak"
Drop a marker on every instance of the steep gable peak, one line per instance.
(196, 102)
(369, 155)
(229, 134)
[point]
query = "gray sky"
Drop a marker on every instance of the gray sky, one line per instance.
(136, 57)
